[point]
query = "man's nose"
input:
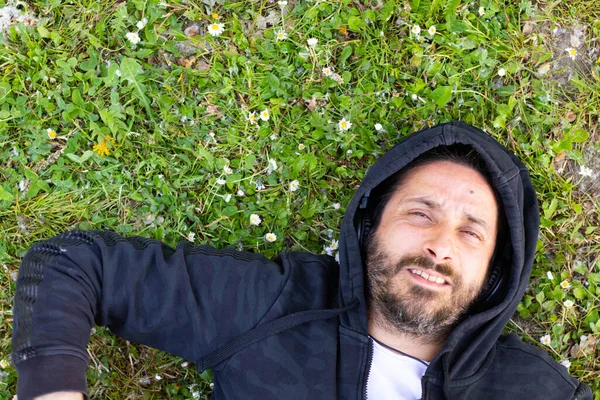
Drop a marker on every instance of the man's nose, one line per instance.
(439, 246)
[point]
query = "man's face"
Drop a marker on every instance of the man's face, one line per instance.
(431, 251)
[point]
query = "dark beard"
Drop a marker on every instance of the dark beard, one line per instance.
(411, 308)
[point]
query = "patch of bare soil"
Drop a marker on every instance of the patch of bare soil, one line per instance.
(573, 51)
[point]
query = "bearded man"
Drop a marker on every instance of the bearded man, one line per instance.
(436, 249)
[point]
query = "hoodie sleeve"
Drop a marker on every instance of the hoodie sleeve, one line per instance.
(188, 301)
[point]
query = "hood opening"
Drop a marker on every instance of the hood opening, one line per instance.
(368, 217)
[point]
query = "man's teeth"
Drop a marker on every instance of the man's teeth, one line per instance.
(430, 278)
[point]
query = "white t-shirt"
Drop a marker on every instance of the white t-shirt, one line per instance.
(393, 375)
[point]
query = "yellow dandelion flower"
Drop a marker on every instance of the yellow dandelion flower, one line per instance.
(598, 60)
(215, 15)
(101, 148)
(111, 139)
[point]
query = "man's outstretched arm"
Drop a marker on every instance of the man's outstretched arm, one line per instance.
(188, 301)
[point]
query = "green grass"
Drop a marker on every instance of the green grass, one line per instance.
(160, 177)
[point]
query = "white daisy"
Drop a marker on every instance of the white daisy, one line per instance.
(227, 197)
(585, 171)
(312, 42)
(221, 181)
(264, 115)
(549, 275)
(327, 71)
(51, 133)
(142, 23)
(215, 29)
(337, 206)
(566, 363)
(501, 72)
(301, 146)
(378, 127)
(158, 377)
(481, 11)
(545, 340)
(565, 284)
(252, 117)
(572, 52)
(184, 364)
(281, 35)
(282, 4)
(3, 364)
(191, 236)
(569, 303)
(334, 244)
(416, 29)
(255, 219)
(270, 237)
(240, 192)
(432, 30)
(133, 37)
(227, 170)
(294, 185)
(118, 73)
(344, 125)
(272, 166)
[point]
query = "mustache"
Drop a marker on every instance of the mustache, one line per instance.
(425, 263)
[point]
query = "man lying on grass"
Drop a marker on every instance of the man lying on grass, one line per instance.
(436, 249)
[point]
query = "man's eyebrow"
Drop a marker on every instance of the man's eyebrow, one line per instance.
(436, 206)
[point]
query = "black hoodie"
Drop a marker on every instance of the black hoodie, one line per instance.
(294, 327)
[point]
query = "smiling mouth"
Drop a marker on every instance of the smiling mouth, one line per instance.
(425, 277)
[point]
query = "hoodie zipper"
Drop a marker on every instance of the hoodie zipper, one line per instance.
(369, 362)
(423, 388)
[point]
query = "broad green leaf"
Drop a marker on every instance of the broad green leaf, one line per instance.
(347, 52)
(76, 98)
(5, 194)
(356, 23)
(441, 95)
(450, 11)
(132, 71)
(5, 89)
(43, 31)
(579, 293)
(579, 136)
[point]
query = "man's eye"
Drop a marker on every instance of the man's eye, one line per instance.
(473, 234)
(420, 214)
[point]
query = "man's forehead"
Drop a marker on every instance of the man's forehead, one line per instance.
(435, 183)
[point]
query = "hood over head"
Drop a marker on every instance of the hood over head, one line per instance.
(468, 346)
